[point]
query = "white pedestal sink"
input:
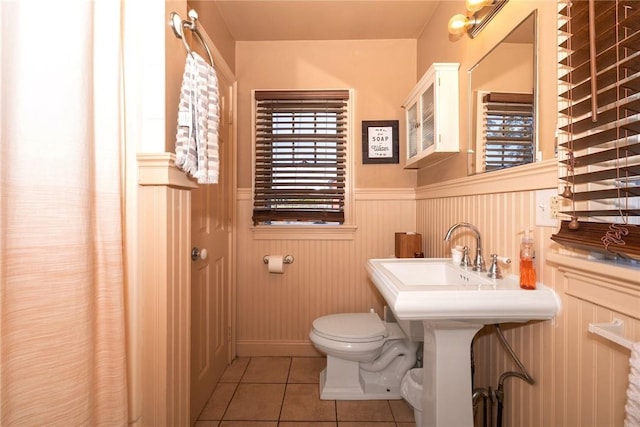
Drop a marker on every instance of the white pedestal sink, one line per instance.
(453, 304)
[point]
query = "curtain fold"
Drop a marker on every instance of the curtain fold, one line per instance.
(62, 319)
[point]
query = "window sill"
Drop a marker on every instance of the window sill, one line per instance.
(304, 232)
(599, 270)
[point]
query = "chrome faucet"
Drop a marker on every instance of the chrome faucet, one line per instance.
(478, 264)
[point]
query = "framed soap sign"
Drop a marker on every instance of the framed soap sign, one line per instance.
(380, 141)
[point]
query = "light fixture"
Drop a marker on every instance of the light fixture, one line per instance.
(475, 5)
(480, 12)
(459, 24)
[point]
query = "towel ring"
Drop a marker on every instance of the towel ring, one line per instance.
(177, 24)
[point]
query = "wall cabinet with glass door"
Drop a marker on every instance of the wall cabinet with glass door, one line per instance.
(431, 116)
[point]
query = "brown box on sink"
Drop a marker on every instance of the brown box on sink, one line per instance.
(408, 244)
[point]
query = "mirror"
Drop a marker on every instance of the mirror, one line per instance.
(502, 103)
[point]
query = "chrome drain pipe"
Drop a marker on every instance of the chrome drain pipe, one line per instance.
(487, 405)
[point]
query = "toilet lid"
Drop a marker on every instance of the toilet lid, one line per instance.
(351, 326)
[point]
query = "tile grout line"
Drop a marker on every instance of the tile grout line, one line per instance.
(286, 386)
(235, 390)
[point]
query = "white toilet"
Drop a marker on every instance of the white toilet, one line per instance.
(366, 357)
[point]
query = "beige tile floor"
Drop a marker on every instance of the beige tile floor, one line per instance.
(283, 392)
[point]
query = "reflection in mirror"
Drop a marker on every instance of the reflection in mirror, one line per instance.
(502, 103)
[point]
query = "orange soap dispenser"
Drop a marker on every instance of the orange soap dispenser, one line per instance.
(527, 254)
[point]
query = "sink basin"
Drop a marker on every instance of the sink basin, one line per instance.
(436, 288)
(439, 272)
(453, 303)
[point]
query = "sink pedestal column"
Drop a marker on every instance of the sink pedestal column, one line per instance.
(447, 394)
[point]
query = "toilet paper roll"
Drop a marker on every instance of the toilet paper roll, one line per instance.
(276, 264)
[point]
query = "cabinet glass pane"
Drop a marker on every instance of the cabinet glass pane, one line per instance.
(412, 130)
(427, 120)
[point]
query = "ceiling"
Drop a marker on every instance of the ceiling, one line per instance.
(269, 20)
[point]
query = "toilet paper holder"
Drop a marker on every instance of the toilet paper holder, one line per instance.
(288, 259)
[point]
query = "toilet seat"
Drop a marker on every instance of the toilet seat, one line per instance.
(351, 327)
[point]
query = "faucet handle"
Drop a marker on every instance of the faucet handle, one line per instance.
(494, 269)
(466, 261)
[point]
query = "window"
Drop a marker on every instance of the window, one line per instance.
(600, 126)
(507, 130)
(300, 157)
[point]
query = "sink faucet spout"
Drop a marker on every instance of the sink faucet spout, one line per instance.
(478, 264)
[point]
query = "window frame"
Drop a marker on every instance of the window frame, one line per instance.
(305, 230)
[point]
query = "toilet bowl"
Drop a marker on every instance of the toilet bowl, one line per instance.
(366, 357)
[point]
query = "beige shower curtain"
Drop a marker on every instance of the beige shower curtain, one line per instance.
(62, 330)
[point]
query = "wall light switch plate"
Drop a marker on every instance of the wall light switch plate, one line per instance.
(547, 205)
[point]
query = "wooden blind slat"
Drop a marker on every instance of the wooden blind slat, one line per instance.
(512, 145)
(589, 236)
(300, 194)
(600, 175)
(606, 155)
(605, 117)
(508, 98)
(610, 193)
(499, 110)
(625, 130)
(266, 215)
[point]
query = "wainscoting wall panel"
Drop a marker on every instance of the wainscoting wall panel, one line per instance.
(580, 378)
(501, 219)
(165, 274)
(276, 311)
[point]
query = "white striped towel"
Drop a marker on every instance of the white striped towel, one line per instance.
(632, 408)
(198, 121)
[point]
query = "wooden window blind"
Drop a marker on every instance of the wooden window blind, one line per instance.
(507, 129)
(599, 74)
(300, 156)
